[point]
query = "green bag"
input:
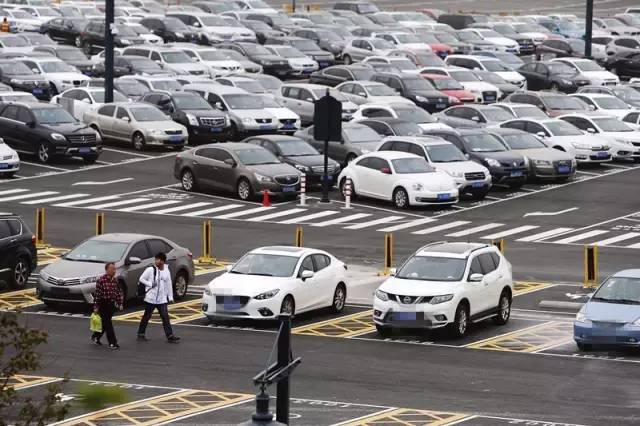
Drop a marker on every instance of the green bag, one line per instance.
(95, 323)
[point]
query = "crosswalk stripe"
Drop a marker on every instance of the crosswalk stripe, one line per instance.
(310, 216)
(275, 215)
(244, 212)
(579, 237)
(375, 222)
(508, 232)
(25, 196)
(617, 239)
(213, 210)
(12, 191)
(546, 234)
(406, 225)
(181, 208)
(634, 246)
(117, 203)
(441, 227)
(475, 230)
(342, 219)
(150, 205)
(58, 198)
(87, 201)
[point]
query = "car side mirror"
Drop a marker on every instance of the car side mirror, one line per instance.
(31, 124)
(230, 162)
(306, 274)
(541, 134)
(475, 278)
(218, 105)
(35, 70)
(392, 271)
(591, 130)
(126, 119)
(385, 170)
(309, 99)
(592, 108)
(475, 118)
(133, 261)
(86, 100)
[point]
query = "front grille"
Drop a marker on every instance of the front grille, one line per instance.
(512, 164)
(232, 302)
(6, 157)
(287, 179)
(81, 138)
(263, 120)
(141, 41)
(474, 176)
(61, 282)
(77, 82)
(173, 132)
(288, 121)
(320, 169)
(636, 143)
(600, 148)
(196, 72)
(212, 121)
(489, 95)
(610, 83)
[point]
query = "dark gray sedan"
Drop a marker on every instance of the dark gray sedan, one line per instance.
(245, 169)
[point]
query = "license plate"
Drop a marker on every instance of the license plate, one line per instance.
(477, 184)
(265, 127)
(288, 126)
(38, 91)
(4, 166)
(323, 64)
(443, 196)
(404, 316)
(84, 150)
(490, 98)
(289, 189)
(216, 130)
(307, 71)
(441, 106)
(231, 303)
(564, 169)
(516, 173)
(603, 154)
(175, 139)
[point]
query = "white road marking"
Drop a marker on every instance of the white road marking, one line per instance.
(475, 230)
(546, 234)
(103, 162)
(634, 246)
(59, 198)
(244, 212)
(117, 203)
(550, 213)
(128, 153)
(588, 173)
(102, 183)
(181, 208)
(150, 205)
(508, 232)
(342, 219)
(30, 195)
(406, 225)
(213, 210)
(441, 227)
(375, 222)
(618, 238)
(493, 198)
(618, 166)
(310, 216)
(59, 169)
(87, 201)
(579, 237)
(12, 191)
(275, 215)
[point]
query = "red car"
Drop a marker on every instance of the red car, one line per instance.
(449, 86)
(436, 45)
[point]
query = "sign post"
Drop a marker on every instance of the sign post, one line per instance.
(327, 127)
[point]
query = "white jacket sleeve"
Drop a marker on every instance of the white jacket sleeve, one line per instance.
(169, 285)
(147, 277)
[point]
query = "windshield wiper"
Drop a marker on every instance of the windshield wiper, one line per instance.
(237, 272)
(261, 274)
(626, 301)
(602, 299)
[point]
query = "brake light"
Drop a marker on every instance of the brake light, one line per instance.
(190, 255)
(33, 239)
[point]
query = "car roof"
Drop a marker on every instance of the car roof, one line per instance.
(593, 95)
(39, 105)
(629, 273)
(460, 250)
(123, 237)
(309, 86)
(505, 131)
(216, 87)
(391, 155)
(278, 138)
(233, 146)
(420, 140)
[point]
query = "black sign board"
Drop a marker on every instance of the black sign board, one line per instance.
(327, 119)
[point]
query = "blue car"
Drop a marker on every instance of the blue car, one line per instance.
(612, 314)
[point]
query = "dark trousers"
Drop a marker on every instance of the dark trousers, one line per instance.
(106, 311)
(164, 315)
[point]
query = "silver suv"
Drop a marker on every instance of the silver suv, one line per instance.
(72, 279)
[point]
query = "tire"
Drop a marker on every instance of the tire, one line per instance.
(180, 285)
(384, 331)
(90, 160)
(504, 309)
(54, 90)
(401, 198)
(339, 299)
(244, 190)
(138, 141)
(87, 48)
(188, 180)
(516, 185)
(554, 87)
(347, 60)
(8, 175)
(78, 42)
(20, 273)
(479, 195)
(584, 347)
(349, 159)
(51, 305)
(234, 134)
(44, 152)
(288, 305)
(458, 328)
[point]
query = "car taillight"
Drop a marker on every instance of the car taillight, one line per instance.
(190, 255)
(33, 239)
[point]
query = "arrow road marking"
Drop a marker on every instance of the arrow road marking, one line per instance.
(550, 213)
(102, 183)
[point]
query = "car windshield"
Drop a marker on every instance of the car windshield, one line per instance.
(446, 84)
(97, 251)
(445, 37)
(212, 21)
(496, 114)
(281, 20)
(329, 36)
(560, 68)
(626, 93)
(295, 148)
(289, 52)
(125, 31)
(483, 143)
(577, 46)
(243, 101)
(417, 84)
(610, 124)
(429, 60)
(429, 39)
(304, 45)
(526, 28)
(168, 85)
(444, 153)
(14, 42)
(45, 11)
(380, 90)
(490, 77)
(143, 63)
(71, 55)
(587, 65)
(255, 49)
(408, 38)
(495, 66)
(52, 116)
(383, 19)
(131, 88)
(379, 43)
(17, 97)
(250, 86)
(174, 24)
(522, 141)
(148, 114)
(406, 129)
(404, 166)
(20, 14)
(140, 29)
(619, 290)
(469, 36)
(562, 128)
(431, 268)
(256, 156)
(414, 114)
(611, 103)
(403, 64)
(463, 75)
(188, 101)
(15, 68)
(505, 29)
(321, 19)
(56, 66)
(98, 96)
(509, 58)
(359, 134)
(564, 103)
(362, 74)
(176, 57)
(529, 111)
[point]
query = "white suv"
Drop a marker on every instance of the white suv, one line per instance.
(446, 285)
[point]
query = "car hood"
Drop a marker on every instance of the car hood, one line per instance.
(549, 154)
(81, 63)
(161, 125)
(310, 160)
(301, 61)
(598, 74)
(428, 93)
(252, 113)
(459, 93)
(6, 150)
(66, 269)
(282, 113)
(188, 67)
(434, 126)
(366, 147)
(461, 166)
(245, 285)
(511, 75)
(611, 312)
(390, 100)
(28, 77)
(270, 58)
(627, 136)
(223, 64)
(66, 128)
(416, 46)
(274, 169)
(505, 157)
(440, 47)
(502, 41)
(594, 141)
(204, 112)
(408, 287)
(480, 86)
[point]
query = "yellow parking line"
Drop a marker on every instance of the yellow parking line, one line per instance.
(178, 313)
(21, 381)
(529, 339)
(345, 326)
(15, 300)
(408, 417)
(526, 287)
(50, 254)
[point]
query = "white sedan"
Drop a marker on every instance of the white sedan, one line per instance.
(400, 177)
(268, 281)
(83, 99)
(9, 161)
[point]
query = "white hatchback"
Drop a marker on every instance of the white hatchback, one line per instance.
(269, 281)
(446, 285)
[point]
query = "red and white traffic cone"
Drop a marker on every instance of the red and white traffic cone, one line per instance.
(347, 194)
(266, 202)
(303, 190)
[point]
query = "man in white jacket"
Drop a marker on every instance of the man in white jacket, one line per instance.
(159, 293)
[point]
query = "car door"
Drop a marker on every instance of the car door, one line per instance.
(361, 176)
(540, 77)
(381, 178)
(25, 134)
(122, 125)
(306, 291)
(9, 243)
(9, 128)
(326, 281)
(491, 281)
(475, 291)
(104, 120)
(132, 272)
(204, 167)
(224, 173)
(306, 105)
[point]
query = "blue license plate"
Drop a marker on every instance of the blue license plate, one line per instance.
(84, 150)
(265, 127)
(231, 303)
(441, 106)
(564, 169)
(490, 98)
(288, 189)
(603, 154)
(38, 91)
(216, 129)
(4, 166)
(516, 173)
(288, 126)
(404, 316)
(322, 64)
(307, 71)
(443, 196)
(477, 184)
(175, 139)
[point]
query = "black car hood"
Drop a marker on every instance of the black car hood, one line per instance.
(503, 157)
(272, 58)
(67, 128)
(309, 160)
(204, 112)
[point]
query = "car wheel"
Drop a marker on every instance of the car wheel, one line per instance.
(516, 185)
(234, 135)
(585, 347)
(479, 195)
(384, 331)
(78, 42)
(188, 180)
(244, 190)
(54, 90)
(288, 305)
(86, 48)
(44, 152)
(339, 299)
(504, 309)
(401, 198)
(555, 87)
(20, 273)
(138, 141)
(51, 305)
(180, 286)
(7, 175)
(458, 328)
(90, 160)
(347, 60)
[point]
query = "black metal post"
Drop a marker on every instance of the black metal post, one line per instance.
(108, 51)
(325, 174)
(293, 6)
(284, 357)
(588, 29)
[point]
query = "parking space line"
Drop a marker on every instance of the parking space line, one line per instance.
(275, 215)
(44, 166)
(149, 206)
(310, 217)
(525, 287)
(345, 326)
(475, 230)
(582, 236)
(128, 153)
(382, 220)
(22, 381)
(31, 195)
(407, 417)
(617, 239)
(508, 232)
(178, 313)
(117, 203)
(50, 254)
(405, 225)
(213, 210)
(441, 227)
(181, 208)
(87, 201)
(12, 191)
(58, 198)
(343, 219)
(528, 339)
(244, 212)
(14, 300)
(546, 234)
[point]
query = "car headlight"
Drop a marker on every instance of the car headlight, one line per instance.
(636, 323)
(15, 156)
(261, 178)
(453, 100)
(566, 82)
(207, 291)
(382, 295)
(578, 145)
(126, 41)
(154, 131)
(421, 99)
(192, 119)
(365, 151)
(14, 81)
(267, 294)
(179, 34)
(302, 168)
(454, 173)
(58, 137)
(542, 162)
(88, 280)
(267, 63)
(582, 317)
(247, 120)
(491, 162)
(417, 186)
(441, 299)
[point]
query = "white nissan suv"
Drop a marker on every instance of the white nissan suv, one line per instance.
(446, 285)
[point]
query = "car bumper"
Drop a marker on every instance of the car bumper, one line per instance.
(199, 135)
(552, 172)
(9, 166)
(473, 186)
(167, 140)
(234, 308)
(589, 156)
(424, 197)
(392, 314)
(615, 334)
(69, 294)
(40, 93)
(74, 151)
(258, 128)
(274, 188)
(508, 176)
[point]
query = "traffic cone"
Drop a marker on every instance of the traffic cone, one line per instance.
(265, 199)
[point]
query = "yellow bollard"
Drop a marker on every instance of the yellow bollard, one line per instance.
(500, 244)
(590, 266)
(99, 223)
(40, 221)
(388, 253)
(207, 255)
(299, 236)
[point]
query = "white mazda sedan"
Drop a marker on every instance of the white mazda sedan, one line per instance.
(268, 281)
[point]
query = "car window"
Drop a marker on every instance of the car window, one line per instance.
(157, 246)
(5, 231)
(401, 146)
(10, 112)
(140, 250)
(122, 113)
(365, 162)
(23, 115)
(496, 258)
(475, 267)
(378, 163)
(307, 265)
(487, 263)
(417, 150)
(322, 261)
(631, 118)
(107, 110)
(221, 155)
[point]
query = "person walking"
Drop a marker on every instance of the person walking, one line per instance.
(107, 299)
(4, 26)
(158, 294)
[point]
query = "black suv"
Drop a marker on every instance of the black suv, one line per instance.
(326, 39)
(92, 38)
(332, 76)
(170, 29)
(263, 31)
(415, 88)
(20, 77)
(48, 131)
(204, 123)
(18, 255)
(271, 64)
(71, 55)
(131, 64)
(65, 30)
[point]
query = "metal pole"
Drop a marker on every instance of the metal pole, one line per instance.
(325, 174)
(108, 51)
(588, 29)
(284, 357)
(303, 190)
